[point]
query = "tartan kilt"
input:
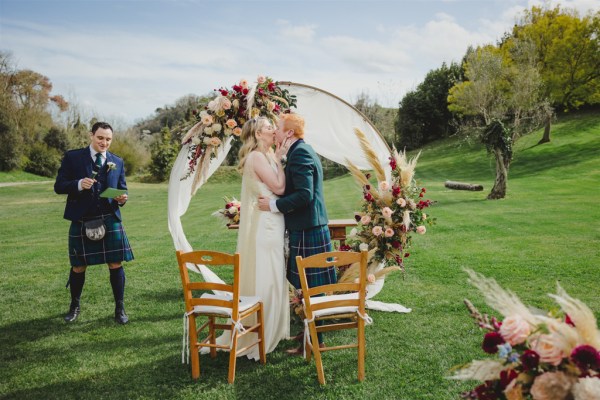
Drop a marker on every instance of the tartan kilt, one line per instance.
(305, 244)
(114, 247)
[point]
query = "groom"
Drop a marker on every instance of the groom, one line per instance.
(303, 206)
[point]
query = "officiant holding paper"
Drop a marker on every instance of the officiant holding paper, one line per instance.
(96, 236)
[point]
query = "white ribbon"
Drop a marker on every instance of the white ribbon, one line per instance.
(306, 335)
(367, 318)
(237, 326)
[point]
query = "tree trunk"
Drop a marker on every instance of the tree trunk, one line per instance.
(547, 126)
(502, 165)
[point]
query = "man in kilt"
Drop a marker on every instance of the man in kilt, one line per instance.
(83, 175)
(303, 206)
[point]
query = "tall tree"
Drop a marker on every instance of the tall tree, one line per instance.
(503, 96)
(567, 53)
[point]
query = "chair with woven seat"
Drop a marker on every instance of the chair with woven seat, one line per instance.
(224, 303)
(332, 303)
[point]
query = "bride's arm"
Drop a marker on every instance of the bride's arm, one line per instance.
(275, 181)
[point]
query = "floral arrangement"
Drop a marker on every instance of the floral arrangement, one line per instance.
(231, 212)
(392, 209)
(225, 115)
(539, 356)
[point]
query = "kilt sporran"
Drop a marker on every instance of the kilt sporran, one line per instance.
(95, 229)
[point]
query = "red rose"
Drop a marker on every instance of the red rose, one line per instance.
(396, 190)
(237, 88)
(244, 91)
(271, 86)
(491, 340)
(224, 92)
(530, 360)
(368, 197)
(396, 244)
(393, 163)
(406, 255)
(421, 194)
(506, 377)
(586, 357)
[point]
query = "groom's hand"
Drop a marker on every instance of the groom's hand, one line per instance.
(263, 203)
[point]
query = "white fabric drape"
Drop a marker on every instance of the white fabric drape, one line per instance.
(329, 129)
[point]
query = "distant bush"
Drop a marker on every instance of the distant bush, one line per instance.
(43, 160)
(135, 155)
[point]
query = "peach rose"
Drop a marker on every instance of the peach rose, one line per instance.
(386, 212)
(215, 141)
(261, 79)
(371, 278)
(552, 386)
(377, 230)
(207, 119)
(401, 202)
(231, 123)
(383, 185)
(546, 347)
(421, 229)
(389, 232)
(225, 103)
(244, 83)
(237, 131)
(514, 329)
(365, 219)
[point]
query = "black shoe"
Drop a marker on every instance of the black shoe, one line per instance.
(73, 314)
(120, 316)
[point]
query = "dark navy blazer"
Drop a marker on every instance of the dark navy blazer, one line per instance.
(78, 164)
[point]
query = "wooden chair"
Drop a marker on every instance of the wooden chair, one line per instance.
(227, 303)
(331, 305)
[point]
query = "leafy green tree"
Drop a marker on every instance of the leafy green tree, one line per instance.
(423, 115)
(163, 153)
(503, 96)
(567, 53)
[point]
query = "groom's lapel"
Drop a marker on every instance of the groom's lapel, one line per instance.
(293, 147)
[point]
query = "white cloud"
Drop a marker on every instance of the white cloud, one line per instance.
(302, 33)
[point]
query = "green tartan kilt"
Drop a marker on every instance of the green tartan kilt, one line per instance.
(113, 248)
(305, 244)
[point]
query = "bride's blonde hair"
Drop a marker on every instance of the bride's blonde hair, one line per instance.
(248, 137)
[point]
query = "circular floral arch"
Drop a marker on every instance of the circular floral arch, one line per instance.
(330, 124)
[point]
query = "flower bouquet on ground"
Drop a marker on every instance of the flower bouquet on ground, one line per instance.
(392, 209)
(539, 356)
(231, 212)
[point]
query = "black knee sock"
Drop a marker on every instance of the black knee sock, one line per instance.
(76, 279)
(320, 334)
(117, 281)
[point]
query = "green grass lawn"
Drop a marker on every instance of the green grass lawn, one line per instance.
(546, 230)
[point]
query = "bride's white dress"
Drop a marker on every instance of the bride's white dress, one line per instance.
(262, 270)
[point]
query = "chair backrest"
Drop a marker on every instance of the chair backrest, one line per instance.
(215, 259)
(334, 259)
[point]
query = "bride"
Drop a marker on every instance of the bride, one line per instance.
(261, 234)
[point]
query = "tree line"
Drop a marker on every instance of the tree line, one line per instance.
(549, 63)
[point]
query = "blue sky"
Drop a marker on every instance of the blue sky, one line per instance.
(120, 60)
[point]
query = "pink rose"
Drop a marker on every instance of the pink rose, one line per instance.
(215, 141)
(244, 84)
(231, 123)
(389, 232)
(421, 229)
(546, 347)
(386, 212)
(226, 103)
(383, 185)
(365, 219)
(237, 131)
(552, 385)
(377, 231)
(261, 79)
(207, 119)
(371, 278)
(514, 329)
(401, 202)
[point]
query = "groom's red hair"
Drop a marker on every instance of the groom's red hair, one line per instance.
(294, 122)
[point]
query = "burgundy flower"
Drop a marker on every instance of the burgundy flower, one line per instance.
(506, 377)
(194, 112)
(396, 190)
(396, 244)
(423, 190)
(530, 360)
(487, 391)
(368, 197)
(357, 217)
(491, 340)
(586, 357)
(367, 187)
(261, 91)
(237, 88)
(345, 247)
(224, 92)
(368, 176)
(393, 163)
(420, 194)
(569, 321)
(271, 86)
(406, 255)
(244, 91)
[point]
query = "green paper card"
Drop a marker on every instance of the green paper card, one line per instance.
(112, 192)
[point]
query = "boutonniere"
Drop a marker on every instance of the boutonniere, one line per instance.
(283, 160)
(111, 165)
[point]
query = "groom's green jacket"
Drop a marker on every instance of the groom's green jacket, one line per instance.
(303, 203)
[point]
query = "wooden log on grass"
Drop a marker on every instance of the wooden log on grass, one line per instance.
(463, 186)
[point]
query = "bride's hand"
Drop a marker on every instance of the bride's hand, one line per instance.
(282, 148)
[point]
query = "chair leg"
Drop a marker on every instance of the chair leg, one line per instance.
(261, 336)
(315, 348)
(195, 354)
(361, 349)
(232, 355)
(212, 337)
